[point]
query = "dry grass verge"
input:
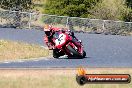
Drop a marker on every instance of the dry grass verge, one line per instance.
(10, 50)
(55, 78)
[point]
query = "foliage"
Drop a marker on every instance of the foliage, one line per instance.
(16, 4)
(101, 9)
(129, 3)
(128, 16)
(110, 10)
(73, 8)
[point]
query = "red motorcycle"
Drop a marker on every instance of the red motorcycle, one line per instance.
(65, 45)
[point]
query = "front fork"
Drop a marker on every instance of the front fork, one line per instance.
(76, 46)
(67, 51)
(79, 47)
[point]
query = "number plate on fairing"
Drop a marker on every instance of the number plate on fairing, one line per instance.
(60, 40)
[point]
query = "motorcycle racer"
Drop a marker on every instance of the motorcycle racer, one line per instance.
(50, 31)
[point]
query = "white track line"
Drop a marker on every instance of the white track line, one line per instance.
(35, 60)
(32, 59)
(20, 61)
(6, 62)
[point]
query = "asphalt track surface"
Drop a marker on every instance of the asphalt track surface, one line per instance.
(102, 50)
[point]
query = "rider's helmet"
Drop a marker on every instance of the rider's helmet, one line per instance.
(48, 30)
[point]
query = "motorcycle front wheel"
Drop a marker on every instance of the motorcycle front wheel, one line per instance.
(55, 54)
(73, 51)
(84, 54)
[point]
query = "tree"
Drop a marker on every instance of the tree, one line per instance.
(129, 3)
(110, 10)
(74, 8)
(16, 4)
(128, 16)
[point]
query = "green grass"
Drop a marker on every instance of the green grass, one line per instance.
(10, 50)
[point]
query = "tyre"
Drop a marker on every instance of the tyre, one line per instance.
(73, 51)
(84, 54)
(55, 54)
